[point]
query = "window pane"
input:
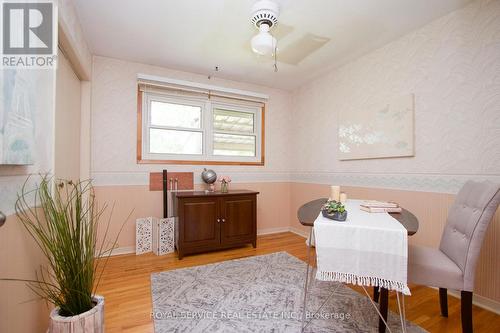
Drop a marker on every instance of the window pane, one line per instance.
(175, 142)
(234, 145)
(175, 115)
(233, 121)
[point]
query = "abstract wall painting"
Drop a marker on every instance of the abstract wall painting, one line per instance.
(17, 117)
(379, 131)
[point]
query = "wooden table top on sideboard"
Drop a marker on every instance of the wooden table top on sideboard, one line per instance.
(193, 194)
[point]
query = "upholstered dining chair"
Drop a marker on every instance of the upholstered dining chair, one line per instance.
(453, 265)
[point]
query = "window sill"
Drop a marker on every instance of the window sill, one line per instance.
(186, 162)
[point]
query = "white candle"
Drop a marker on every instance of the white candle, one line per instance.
(335, 192)
(343, 197)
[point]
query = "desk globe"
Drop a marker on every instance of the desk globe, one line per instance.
(209, 177)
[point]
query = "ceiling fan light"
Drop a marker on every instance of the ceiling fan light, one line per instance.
(263, 43)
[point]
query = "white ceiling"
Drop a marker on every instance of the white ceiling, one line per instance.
(197, 35)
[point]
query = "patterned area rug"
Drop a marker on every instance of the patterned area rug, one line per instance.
(258, 294)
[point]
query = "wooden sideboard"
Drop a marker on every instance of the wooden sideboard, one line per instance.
(209, 221)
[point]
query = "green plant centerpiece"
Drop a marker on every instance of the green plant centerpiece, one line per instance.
(64, 221)
(334, 210)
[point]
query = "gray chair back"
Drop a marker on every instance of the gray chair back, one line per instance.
(468, 219)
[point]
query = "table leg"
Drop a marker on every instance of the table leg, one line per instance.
(384, 302)
(375, 294)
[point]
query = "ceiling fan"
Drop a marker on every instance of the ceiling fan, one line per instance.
(264, 16)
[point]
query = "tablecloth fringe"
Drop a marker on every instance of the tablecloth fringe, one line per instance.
(363, 281)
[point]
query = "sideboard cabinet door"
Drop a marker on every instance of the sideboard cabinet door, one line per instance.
(200, 228)
(238, 219)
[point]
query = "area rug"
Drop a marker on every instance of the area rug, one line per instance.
(258, 294)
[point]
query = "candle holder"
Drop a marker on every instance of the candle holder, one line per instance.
(335, 192)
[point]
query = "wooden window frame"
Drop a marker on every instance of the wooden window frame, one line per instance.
(141, 160)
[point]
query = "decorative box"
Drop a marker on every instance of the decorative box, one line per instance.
(143, 235)
(163, 236)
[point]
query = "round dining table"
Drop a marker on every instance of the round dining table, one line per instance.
(308, 213)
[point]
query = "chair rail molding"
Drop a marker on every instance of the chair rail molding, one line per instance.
(421, 182)
(142, 178)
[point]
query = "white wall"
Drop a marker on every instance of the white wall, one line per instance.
(114, 126)
(67, 122)
(452, 65)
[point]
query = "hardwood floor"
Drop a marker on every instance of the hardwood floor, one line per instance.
(125, 285)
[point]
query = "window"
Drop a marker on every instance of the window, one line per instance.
(234, 133)
(199, 130)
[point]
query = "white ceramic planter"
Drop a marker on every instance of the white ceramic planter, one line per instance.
(91, 321)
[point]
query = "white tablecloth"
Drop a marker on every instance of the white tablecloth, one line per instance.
(369, 249)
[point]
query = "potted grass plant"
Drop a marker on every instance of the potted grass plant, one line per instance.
(65, 223)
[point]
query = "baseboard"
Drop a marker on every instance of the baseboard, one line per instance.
(481, 301)
(122, 250)
(299, 232)
(294, 230)
(269, 231)
(131, 249)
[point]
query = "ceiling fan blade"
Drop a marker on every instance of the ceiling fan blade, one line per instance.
(298, 50)
(281, 30)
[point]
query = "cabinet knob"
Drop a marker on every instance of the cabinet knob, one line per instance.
(223, 220)
(218, 220)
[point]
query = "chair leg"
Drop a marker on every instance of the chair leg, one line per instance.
(466, 300)
(376, 293)
(443, 301)
(304, 310)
